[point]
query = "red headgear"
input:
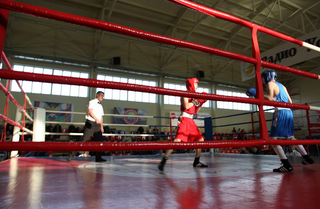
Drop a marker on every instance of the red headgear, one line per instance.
(190, 84)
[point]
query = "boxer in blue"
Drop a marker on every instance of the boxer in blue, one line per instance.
(282, 126)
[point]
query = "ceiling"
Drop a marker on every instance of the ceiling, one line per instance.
(43, 38)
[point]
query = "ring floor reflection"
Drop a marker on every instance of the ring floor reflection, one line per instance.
(231, 181)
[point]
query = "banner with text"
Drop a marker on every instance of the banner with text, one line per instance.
(286, 54)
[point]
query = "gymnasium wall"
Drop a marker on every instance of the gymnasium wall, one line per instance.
(157, 109)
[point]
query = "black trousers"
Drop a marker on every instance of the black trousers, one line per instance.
(92, 128)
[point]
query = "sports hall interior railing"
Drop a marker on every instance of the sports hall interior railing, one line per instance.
(106, 26)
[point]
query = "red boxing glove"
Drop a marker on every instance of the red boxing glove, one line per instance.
(202, 101)
(196, 102)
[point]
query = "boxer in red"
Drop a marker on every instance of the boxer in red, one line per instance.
(187, 129)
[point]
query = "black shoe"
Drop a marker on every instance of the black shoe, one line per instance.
(307, 160)
(162, 163)
(199, 165)
(286, 166)
(161, 167)
(283, 169)
(100, 160)
(69, 158)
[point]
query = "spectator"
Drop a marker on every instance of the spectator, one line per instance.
(243, 150)
(270, 151)
(57, 129)
(127, 139)
(29, 125)
(140, 130)
(72, 129)
(106, 129)
(234, 132)
(8, 136)
(48, 128)
(1, 129)
(9, 128)
(50, 137)
(256, 151)
(242, 135)
(155, 131)
(292, 151)
(27, 153)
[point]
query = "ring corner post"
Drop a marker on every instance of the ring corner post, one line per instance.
(39, 124)
(4, 16)
(208, 133)
(259, 85)
(208, 128)
(16, 132)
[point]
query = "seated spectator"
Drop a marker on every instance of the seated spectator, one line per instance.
(127, 139)
(140, 130)
(85, 154)
(270, 151)
(243, 150)
(1, 129)
(8, 136)
(57, 129)
(29, 126)
(50, 137)
(292, 151)
(47, 128)
(9, 128)
(106, 129)
(149, 130)
(161, 139)
(72, 129)
(27, 153)
(256, 150)
(242, 135)
(155, 131)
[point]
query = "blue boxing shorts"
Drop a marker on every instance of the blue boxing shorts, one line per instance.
(282, 124)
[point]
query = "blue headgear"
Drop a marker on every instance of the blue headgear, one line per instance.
(268, 76)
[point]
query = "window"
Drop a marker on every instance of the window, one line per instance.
(268, 109)
(232, 105)
(124, 95)
(49, 88)
(174, 100)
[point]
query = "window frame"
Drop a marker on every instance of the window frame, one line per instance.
(50, 88)
(128, 95)
(232, 105)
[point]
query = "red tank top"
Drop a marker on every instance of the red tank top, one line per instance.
(191, 110)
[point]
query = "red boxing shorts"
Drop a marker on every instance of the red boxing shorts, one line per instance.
(188, 131)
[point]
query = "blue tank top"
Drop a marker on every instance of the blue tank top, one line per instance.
(282, 96)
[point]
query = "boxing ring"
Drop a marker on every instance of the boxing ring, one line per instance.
(131, 182)
(256, 60)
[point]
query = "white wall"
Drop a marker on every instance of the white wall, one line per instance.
(306, 88)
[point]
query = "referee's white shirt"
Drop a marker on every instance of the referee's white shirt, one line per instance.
(97, 109)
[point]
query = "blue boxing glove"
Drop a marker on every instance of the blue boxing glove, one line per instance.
(251, 92)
